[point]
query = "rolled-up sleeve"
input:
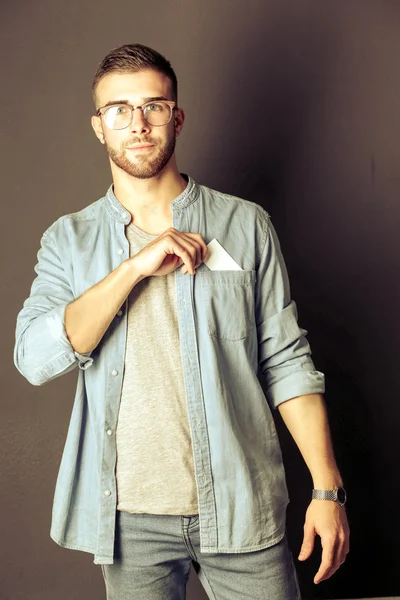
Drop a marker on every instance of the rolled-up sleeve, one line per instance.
(284, 352)
(42, 349)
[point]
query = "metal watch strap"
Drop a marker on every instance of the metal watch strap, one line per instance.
(324, 495)
(339, 495)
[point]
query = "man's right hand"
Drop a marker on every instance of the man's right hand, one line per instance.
(171, 249)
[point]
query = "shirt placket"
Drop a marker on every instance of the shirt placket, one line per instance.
(195, 402)
(108, 491)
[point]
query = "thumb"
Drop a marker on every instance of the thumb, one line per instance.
(308, 543)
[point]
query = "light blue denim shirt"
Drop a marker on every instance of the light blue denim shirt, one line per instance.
(233, 326)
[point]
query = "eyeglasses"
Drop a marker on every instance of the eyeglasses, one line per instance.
(119, 116)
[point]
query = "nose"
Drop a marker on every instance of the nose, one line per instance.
(139, 124)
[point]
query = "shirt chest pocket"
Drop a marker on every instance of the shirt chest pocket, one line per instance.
(228, 301)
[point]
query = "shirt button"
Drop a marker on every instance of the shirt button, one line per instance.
(120, 251)
(119, 313)
(107, 493)
(109, 431)
(115, 372)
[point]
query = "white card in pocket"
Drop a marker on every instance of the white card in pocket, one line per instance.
(218, 258)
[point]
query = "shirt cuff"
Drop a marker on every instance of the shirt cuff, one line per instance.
(55, 321)
(296, 384)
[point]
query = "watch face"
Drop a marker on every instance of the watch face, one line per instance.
(341, 495)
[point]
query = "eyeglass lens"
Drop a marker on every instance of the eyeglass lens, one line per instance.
(119, 115)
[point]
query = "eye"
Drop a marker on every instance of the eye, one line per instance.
(120, 110)
(154, 106)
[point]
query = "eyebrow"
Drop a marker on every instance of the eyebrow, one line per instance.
(144, 100)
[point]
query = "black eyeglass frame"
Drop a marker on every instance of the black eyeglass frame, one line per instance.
(171, 103)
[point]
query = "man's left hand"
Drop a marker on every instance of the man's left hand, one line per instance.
(327, 519)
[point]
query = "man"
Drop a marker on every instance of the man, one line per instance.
(171, 298)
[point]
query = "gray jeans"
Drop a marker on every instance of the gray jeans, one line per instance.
(154, 553)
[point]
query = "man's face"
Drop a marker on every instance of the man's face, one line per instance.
(135, 89)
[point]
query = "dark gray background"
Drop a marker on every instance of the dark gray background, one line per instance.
(294, 105)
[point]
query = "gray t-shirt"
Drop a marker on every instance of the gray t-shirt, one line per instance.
(155, 470)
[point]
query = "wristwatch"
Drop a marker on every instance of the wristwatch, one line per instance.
(339, 495)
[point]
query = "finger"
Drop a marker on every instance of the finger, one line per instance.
(324, 572)
(308, 543)
(337, 563)
(196, 240)
(342, 545)
(326, 576)
(343, 549)
(203, 247)
(327, 561)
(184, 267)
(347, 543)
(338, 560)
(199, 249)
(188, 252)
(184, 253)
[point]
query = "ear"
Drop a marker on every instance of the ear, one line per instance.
(98, 128)
(179, 120)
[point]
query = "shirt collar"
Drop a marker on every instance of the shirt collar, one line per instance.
(119, 212)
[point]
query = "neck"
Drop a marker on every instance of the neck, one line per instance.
(148, 199)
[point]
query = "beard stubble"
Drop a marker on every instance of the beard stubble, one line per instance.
(143, 167)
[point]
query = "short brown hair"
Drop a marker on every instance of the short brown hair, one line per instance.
(132, 58)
